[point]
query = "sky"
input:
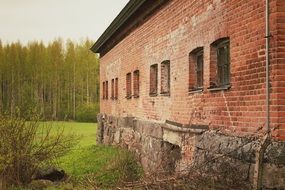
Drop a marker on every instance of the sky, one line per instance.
(46, 20)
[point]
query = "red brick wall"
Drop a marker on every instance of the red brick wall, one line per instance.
(171, 34)
(278, 79)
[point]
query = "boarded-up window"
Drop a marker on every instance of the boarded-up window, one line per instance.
(129, 86)
(116, 88)
(153, 80)
(112, 89)
(136, 79)
(165, 77)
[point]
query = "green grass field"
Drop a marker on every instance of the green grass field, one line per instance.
(106, 164)
(86, 157)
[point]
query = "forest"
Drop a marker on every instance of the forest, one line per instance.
(57, 81)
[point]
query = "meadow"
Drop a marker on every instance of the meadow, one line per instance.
(100, 165)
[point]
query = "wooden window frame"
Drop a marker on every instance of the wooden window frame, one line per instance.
(165, 77)
(153, 83)
(199, 69)
(136, 83)
(103, 91)
(107, 90)
(223, 66)
(112, 89)
(196, 70)
(220, 65)
(116, 88)
(129, 85)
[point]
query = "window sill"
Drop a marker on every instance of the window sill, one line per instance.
(153, 94)
(136, 96)
(220, 88)
(194, 91)
(128, 97)
(165, 94)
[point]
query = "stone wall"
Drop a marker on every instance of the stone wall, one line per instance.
(168, 147)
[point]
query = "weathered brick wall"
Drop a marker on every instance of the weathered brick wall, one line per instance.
(279, 68)
(171, 34)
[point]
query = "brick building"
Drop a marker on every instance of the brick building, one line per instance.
(172, 69)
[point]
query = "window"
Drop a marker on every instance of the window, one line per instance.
(116, 88)
(112, 89)
(199, 69)
(106, 88)
(104, 91)
(129, 86)
(165, 77)
(136, 83)
(196, 69)
(223, 54)
(220, 64)
(153, 80)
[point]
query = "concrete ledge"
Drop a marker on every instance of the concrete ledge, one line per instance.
(182, 129)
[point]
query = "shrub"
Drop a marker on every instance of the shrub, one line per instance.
(87, 113)
(25, 147)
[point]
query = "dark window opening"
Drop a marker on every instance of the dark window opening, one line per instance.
(116, 88)
(196, 69)
(129, 86)
(136, 83)
(199, 70)
(165, 77)
(112, 89)
(106, 93)
(220, 64)
(153, 80)
(223, 55)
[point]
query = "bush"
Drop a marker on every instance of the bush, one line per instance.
(25, 147)
(87, 113)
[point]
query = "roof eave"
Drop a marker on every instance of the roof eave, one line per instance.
(128, 10)
(127, 19)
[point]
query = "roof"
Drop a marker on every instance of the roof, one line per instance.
(129, 18)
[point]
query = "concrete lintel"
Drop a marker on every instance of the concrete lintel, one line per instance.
(182, 130)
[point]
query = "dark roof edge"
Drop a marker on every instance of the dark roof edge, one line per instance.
(126, 12)
(130, 17)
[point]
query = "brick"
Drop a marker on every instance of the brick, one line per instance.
(171, 34)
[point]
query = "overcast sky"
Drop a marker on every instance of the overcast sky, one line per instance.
(27, 20)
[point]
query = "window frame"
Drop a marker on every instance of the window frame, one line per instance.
(165, 80)
(199, 83)
(220, 73)
(103, 90)
(116, 88)
(129, 85)
(153, 84)
(223, 74)
(112, 89)
(136, 83)
(196, 70)
(107, 90)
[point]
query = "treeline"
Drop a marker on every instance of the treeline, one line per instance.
(58, 81)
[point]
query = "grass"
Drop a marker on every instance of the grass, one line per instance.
(87, 158)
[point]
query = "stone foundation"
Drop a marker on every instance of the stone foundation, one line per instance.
(172, 148)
